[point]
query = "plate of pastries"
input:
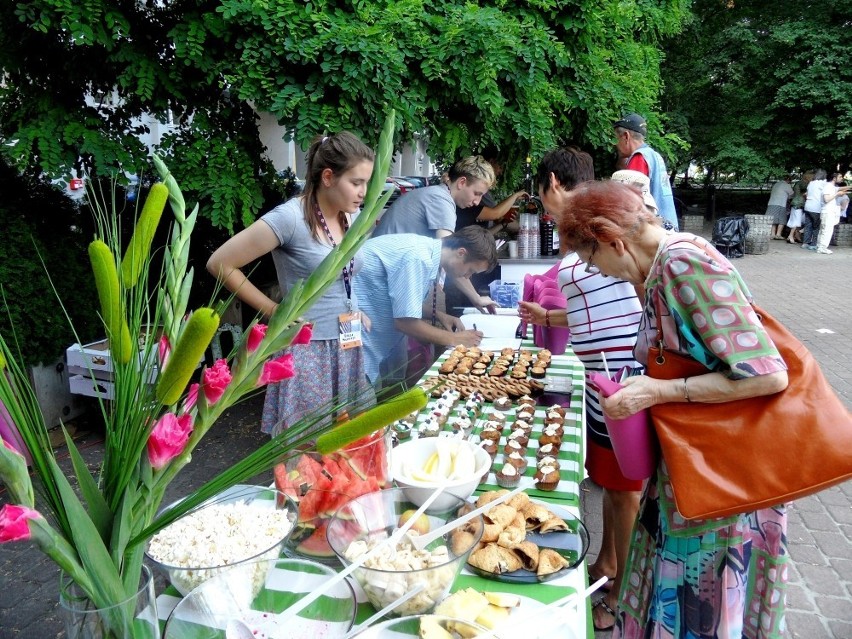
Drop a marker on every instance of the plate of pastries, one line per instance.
(524, 540)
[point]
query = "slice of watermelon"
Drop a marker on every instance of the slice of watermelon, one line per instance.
(317, 544)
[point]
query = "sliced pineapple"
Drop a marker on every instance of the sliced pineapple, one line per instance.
(464, 604)
(492, 616)
(503, 599)
(430, 628)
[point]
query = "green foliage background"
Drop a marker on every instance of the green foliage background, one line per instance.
(523, 76)
(761, 88)
(40, 223)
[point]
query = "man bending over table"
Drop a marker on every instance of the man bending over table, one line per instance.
(398, 284)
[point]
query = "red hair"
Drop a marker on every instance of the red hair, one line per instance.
(602, 212)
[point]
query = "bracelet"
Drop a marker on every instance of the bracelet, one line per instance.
(686, 390)
(547, 318)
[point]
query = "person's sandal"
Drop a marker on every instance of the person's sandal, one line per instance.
(603, 604)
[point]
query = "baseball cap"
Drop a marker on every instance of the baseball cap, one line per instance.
(633, 122)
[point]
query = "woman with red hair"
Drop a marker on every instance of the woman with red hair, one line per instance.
(686, 578)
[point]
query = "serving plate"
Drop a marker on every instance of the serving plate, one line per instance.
(533, 628)
(573, 545)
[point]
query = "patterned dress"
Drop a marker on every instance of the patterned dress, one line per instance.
(717, 578)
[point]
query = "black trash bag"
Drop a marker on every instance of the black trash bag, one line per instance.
(729, 235)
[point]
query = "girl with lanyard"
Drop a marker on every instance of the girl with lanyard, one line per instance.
(299, 234)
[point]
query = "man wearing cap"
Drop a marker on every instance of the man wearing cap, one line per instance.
(631, 131)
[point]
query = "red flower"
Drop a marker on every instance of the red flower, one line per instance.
(191, 398)
(164, 349)
(215, 380)
(276, 370)
(168, 439)
(255, 337)
(304, 334)
(13, 522)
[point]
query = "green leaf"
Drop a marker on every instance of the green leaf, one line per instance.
(89, 545)
(95, 502)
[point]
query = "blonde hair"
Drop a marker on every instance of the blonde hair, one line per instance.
(473, 167)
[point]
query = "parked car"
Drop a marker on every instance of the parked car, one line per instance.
(399, 185)
(433, 180)
(419, 181)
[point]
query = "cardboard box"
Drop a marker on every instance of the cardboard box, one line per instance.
(83, 385)
(94, 360)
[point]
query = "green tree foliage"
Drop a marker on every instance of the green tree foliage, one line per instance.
(523, 76)
(44, 234)
(760, 88)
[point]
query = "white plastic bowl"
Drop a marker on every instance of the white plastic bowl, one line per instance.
(415, 453)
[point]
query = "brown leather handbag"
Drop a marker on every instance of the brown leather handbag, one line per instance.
(748, 454)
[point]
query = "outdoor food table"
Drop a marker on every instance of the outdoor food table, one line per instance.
(565, 376)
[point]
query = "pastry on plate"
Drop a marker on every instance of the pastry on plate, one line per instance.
(550, 561)
(528, 553)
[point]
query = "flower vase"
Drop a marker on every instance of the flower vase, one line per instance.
(133, 618)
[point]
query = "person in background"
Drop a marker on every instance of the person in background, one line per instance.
(843, 203)
(780, 194)
(402, 273)
(630, 132)
(813, 208)
(830, 213)
(603, 314)
(797, 204)
(490, 214)
(299, 234)
(431, 211)
(716, 578)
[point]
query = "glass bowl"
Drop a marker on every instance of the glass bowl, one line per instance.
(227, 533)
(321, 484)
(207, 610)
(371, 518)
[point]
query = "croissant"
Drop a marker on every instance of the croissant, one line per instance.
(550, 561)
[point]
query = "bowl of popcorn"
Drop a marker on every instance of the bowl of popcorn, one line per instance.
(230, 600)
(421, 465)
(229, 533)
(361, 526)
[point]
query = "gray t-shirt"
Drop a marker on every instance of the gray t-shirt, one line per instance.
(298, 256)
(421, 211)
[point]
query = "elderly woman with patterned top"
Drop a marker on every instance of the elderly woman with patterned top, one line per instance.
(299, 234)
(723, 577)
(603, 314)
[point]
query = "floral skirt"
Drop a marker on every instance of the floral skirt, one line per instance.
(325, 376)
(725, 583)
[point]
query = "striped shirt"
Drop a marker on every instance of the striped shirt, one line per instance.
(396, 274)
(603, 315)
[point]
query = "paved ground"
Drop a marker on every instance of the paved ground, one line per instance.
(810, 293)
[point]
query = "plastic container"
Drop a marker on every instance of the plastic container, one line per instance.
(633, 439)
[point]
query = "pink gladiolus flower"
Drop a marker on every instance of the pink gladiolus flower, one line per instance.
(215, 380)
(304, 334)
(164, 349)
(168, 439)
(255, 337)
(276, 370)
(13, 522)
(191, 398)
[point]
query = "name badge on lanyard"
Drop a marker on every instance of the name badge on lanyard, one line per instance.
(349, 326)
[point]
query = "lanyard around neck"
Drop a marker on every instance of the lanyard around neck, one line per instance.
(347, 271)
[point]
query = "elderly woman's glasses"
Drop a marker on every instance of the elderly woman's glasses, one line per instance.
(591, 269)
